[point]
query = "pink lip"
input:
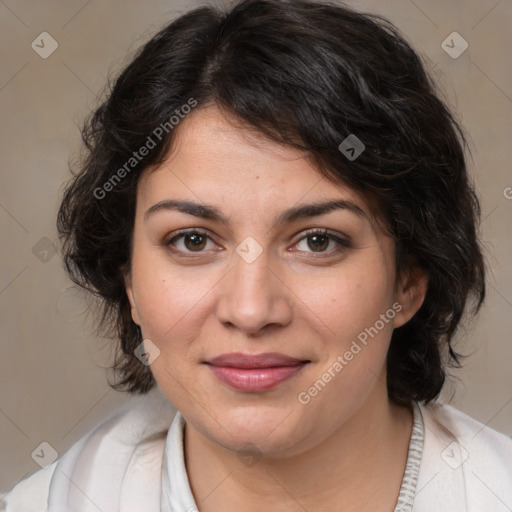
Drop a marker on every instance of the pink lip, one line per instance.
(254, 373)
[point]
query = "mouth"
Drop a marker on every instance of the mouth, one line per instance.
(255, 373)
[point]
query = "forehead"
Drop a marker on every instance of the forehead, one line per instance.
(217, 159)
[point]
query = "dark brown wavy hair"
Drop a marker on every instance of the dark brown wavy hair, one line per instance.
(306, 74)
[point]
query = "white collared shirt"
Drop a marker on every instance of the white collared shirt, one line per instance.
(455, 464)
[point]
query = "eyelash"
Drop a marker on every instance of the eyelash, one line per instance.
(342, 243)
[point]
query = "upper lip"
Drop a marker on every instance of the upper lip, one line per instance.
(267, 360)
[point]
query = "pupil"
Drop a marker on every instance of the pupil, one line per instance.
(316, 245)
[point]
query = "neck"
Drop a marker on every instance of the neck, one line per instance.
(363, 461)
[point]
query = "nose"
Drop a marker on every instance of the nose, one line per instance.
(253, 297)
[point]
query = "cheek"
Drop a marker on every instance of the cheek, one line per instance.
(172, 305)
(169, 299)
(356, 304)
(349, 298)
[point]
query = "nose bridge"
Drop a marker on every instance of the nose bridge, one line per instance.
(252, 298)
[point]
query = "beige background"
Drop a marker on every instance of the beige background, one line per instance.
(52, 384)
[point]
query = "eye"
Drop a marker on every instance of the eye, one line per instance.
(322, 241)
(319, 241)
(190, 241)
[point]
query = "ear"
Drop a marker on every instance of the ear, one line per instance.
(129, 292)
(410, 294)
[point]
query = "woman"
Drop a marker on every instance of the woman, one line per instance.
(276, 214)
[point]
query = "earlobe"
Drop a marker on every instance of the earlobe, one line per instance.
(129, 292)
(411, 293)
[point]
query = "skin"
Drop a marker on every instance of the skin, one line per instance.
(349, 443)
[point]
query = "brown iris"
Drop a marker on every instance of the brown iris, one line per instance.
(318, 242)
(195, 241)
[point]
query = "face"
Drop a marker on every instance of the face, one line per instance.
(300, 302)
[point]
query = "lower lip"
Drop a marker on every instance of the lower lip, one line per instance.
(254, 379)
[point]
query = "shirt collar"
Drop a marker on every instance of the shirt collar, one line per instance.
(176, 492)
(177, 495)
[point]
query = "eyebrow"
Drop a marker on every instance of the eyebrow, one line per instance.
(301, 211)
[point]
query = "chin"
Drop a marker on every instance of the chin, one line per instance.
(271, 430)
